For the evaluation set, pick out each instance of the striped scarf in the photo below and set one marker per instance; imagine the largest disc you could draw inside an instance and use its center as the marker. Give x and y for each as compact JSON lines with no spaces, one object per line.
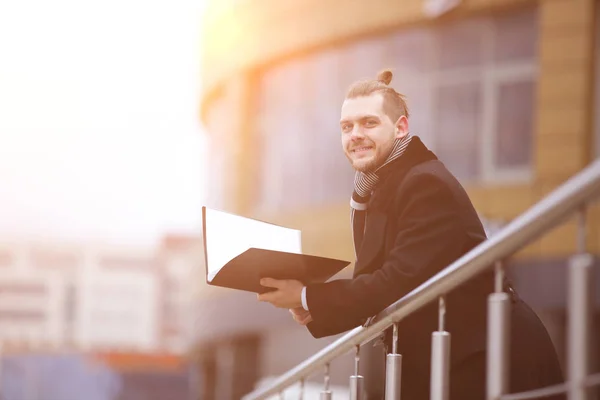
{"x":364,"y":183}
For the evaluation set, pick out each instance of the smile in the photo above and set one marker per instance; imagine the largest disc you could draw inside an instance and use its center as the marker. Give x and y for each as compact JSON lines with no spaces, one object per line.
{"x":361,"y":149}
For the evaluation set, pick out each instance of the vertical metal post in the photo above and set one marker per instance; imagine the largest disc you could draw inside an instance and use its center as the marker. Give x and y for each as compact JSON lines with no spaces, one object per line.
{"x":440,"y":358}
{"x":393,"y":370}
{"x":580,"y":305}
{"x":1,"y":369}
{"x":326,"y":393}
{"x":581,"y":230}
{"x":301,"y":394}
{"x":498,"y":339}
{"x":498,"y":277}
{"x":356,"y":381}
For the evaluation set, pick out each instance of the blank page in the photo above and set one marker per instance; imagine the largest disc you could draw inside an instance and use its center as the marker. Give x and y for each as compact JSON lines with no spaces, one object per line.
{"x":228,"y":235}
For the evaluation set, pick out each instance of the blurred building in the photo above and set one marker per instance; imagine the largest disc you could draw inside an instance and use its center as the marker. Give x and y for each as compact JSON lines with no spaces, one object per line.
{"x":502,"y":90}
{"x":94,"y":297}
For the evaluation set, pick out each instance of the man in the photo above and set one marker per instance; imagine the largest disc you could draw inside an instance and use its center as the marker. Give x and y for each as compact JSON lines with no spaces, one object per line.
{"x":419,"y":220}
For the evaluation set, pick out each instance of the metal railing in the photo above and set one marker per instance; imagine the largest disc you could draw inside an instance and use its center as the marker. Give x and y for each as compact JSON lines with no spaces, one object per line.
{"x":568,"y":199}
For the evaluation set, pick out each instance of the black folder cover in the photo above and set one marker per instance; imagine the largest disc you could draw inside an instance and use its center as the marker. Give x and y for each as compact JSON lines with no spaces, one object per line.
{"x":245,"y":271}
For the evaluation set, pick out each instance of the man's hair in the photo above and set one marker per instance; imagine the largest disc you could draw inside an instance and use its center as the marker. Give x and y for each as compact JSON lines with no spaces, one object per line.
{"x":394,"y":103}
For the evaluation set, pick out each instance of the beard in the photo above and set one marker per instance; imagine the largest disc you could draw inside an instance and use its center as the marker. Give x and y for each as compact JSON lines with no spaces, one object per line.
{"x":367,"y":165}
{"x":370,"y":164}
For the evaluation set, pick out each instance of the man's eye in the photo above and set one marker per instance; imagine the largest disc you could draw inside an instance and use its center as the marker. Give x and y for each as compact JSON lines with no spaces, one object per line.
{"x":371,"y":123}
{"x":346,"y":127}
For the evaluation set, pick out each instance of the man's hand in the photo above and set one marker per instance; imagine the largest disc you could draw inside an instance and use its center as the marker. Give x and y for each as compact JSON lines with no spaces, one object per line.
{"x":287,"y":295}
{"x":301,"y":316}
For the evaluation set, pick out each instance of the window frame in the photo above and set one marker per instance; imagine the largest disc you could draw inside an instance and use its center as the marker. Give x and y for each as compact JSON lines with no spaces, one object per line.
{"x":456,"y":79}
{"x":490,"y":73}
{"x":596,"y":106}
{"x":496,"y":77}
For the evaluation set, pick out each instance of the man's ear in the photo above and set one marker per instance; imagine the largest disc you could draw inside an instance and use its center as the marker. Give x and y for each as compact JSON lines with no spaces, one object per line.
{"x":401,"y":127}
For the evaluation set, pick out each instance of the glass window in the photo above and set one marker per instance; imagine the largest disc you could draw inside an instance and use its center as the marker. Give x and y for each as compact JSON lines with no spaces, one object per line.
{"x":470,"y":88}
{"x":280,"y":131}
{"x":294,"y":136}
{"x":419,"y":99}
{"x":362,"y":59}
{"x":501,"y":136}
{"x":515,"y":36}
{"x":408,"y":51}
{"x":6,"y":258}
{"x":460,"y":45}
{"x":332,"y":178}
{"x":70,"y":302}
{"x":514,"y":124}
{"x":597,"y":89}
{"x":457,"y":126}
{"x":302,"y":161}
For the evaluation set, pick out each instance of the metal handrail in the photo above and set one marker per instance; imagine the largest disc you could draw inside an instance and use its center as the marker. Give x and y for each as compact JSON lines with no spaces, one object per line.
{"x":546,"y":214}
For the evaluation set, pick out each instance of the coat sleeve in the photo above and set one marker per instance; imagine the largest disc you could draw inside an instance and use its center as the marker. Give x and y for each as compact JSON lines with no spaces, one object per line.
{"x":429,"y":237}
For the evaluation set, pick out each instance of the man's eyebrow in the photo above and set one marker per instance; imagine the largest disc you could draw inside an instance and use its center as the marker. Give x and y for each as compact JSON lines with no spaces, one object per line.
{"x":358,"y":118}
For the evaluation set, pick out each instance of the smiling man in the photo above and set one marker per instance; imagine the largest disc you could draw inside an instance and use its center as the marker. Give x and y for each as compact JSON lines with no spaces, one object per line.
{"x":410,"y":219}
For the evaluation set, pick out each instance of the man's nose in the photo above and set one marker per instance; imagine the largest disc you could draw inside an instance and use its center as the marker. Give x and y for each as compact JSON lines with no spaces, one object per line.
{"x":357,"y":134}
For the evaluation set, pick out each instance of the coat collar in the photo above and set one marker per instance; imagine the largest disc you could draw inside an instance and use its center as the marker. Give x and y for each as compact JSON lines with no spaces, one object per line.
{"x":393,"y":173}
{"x":384,"y":194}
{"x":415,"y":153}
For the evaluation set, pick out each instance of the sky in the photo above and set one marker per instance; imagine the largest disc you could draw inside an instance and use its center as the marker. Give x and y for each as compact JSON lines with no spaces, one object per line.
{"x":100,"y":136}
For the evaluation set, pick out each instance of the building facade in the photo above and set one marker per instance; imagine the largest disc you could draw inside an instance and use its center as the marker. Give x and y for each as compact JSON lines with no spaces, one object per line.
{"x":505,"y":92}
{"x":92,"y":297}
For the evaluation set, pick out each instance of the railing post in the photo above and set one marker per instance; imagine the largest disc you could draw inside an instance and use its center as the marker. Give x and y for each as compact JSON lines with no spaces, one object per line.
{"x":301,"y":395}
{"x":578,"y":329}
{"x":326,"y":393}
{"x":440,"y":358}
{"x":581,"y":230}
{"x":1,"y":367}
{"x":393,"y":370}
{"x":356,"y":381}
{"x":529,"y":226}
{"x":498,"y":338}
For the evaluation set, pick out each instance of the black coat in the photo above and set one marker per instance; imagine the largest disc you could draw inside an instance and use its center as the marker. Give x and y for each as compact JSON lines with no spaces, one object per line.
{"x":420,"y":220}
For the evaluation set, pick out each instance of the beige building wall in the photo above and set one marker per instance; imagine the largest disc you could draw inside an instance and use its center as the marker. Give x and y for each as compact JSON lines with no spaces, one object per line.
{"x":243,"y":39}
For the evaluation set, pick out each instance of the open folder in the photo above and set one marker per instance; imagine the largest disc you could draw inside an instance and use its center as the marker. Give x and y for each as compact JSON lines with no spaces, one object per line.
{"x":239,"y":251}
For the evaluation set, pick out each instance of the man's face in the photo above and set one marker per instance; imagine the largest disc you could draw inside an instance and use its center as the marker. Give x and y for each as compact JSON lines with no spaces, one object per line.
{"x":368,"y":133}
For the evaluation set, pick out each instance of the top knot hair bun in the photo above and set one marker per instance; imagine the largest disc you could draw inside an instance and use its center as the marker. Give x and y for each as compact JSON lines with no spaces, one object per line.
{"x":385,"y":77}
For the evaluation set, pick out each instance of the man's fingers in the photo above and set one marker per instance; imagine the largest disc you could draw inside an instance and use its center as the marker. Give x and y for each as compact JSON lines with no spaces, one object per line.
{"x":301,"y":316}
{"x":305,"y":320}
{"x":270,"y":282}
{"x":269,"y":296}
{"x":299,"y":311}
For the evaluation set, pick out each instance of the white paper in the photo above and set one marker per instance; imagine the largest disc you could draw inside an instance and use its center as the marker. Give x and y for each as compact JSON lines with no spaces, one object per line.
{"x":228,"y":235}
{"x":435,"y":8}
